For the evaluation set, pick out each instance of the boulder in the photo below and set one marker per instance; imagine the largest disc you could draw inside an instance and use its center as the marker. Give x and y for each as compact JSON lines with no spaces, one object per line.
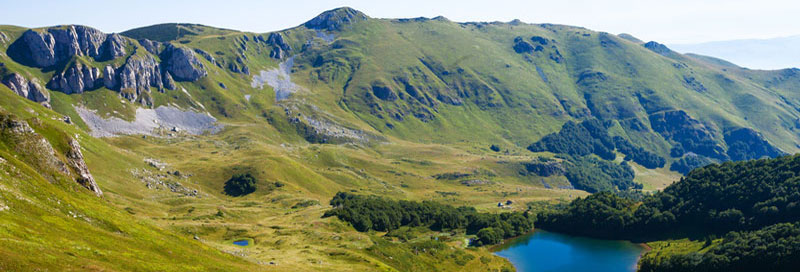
{"x":31,"y":90}
{"x":183,"y":64}
{"x":76,"y":79}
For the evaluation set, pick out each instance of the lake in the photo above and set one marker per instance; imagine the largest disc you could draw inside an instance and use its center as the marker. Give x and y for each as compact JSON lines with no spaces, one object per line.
{"x":543,"y":251}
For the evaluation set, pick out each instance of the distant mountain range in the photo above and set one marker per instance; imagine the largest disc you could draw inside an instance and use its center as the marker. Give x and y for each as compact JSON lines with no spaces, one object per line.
{"x":775,"y":53}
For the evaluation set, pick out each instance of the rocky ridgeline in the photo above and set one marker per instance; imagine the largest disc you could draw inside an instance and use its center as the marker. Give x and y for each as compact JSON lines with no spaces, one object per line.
{"x":45,"y":49}
{"x":78,"y":164}
{"x":57,"y":46}
{"x":19,"y":135}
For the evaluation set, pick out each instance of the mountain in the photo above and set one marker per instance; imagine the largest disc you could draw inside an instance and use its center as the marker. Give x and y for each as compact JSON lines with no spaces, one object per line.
{"x":771,"y":53}
{"x":171,"y":118}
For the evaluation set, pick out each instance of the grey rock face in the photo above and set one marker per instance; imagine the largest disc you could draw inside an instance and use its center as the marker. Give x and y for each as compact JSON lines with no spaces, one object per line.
{"x":28,"y":89}
{"x":3,"y":37}
{"x":45,"y":49}
{"x":153,"y":47}
{"x":76,"y":79}
{"x":169,"y":83}
{"x":183,"y":64}
{"x":335,"y":19}
{"x":110,"y":77}
{"x":41,"y":52}
{"x":114,"y":47}
{"x":78,"y":164}
{"x":138,"y":75}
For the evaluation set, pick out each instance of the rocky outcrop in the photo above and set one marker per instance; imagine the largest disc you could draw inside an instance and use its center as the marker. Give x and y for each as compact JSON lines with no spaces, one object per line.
{"x":39,"y":153}
{"x":169,"y":83}
{"x":383,"y":92}
{"x":659,"y":49}
{"x":137,"y":76}
{"x":3,"y":37}
{"x":28,"y":89}
{"x":153,"y":47}
{"x":279,"y":46}
{"x":109,"y":77}
{"x":47,"y":48}
{"x":522,"y":46}
{"x":336,"y":19}
{"x":78,"y":164}
{"x":206,"y":55}
{"x":76,"y":79}
{"x":182,"y":63}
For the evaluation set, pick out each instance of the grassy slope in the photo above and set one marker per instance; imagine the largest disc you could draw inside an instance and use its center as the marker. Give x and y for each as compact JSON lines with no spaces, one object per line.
{"x":62,"y":226}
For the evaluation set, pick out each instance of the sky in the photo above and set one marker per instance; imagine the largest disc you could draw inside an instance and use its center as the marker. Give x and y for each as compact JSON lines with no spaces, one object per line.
{"x":669,"y":22}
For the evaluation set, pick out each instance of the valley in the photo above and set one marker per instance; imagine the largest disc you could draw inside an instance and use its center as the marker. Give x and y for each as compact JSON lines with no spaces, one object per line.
{"x":184,"y":147}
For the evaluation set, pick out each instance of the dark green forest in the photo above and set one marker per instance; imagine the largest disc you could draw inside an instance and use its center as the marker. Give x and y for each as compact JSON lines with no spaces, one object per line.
{"x":367,"y":213}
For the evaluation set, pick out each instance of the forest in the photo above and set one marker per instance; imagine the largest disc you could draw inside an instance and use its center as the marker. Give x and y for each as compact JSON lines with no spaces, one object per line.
{"x":367,"y":213}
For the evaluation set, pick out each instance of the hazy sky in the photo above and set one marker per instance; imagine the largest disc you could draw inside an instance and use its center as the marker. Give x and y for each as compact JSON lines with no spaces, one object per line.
{"x":680,"y":21}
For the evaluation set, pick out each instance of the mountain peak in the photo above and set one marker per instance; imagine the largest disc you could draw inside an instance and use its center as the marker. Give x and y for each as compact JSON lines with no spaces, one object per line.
{"x":336,"y":18}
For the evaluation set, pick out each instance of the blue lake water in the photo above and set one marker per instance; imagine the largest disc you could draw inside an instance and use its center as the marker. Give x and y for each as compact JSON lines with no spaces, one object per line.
{"x":543,"y":251}
{"x":241,"y":242}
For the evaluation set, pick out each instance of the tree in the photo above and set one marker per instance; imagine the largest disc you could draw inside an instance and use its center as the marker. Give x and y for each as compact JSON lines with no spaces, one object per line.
{"x":489,"y":236}
{"x":240,"y":185}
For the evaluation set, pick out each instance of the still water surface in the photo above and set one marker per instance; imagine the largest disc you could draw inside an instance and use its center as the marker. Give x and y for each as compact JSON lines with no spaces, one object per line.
{"x":543,"y":251}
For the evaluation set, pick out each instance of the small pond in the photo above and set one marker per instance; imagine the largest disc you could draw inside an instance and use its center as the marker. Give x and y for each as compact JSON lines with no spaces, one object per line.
{"x":243,"y":242}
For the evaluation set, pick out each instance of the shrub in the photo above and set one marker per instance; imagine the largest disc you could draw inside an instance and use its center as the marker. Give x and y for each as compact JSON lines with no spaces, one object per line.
{"x":240,"y":185}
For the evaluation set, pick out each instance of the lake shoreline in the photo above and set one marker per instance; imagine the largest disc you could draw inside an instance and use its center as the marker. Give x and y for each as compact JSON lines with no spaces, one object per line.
{"x":542,"y":250}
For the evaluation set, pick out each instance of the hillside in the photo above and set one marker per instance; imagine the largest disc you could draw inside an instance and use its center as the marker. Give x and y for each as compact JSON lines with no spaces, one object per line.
{"x":462,"y":114}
